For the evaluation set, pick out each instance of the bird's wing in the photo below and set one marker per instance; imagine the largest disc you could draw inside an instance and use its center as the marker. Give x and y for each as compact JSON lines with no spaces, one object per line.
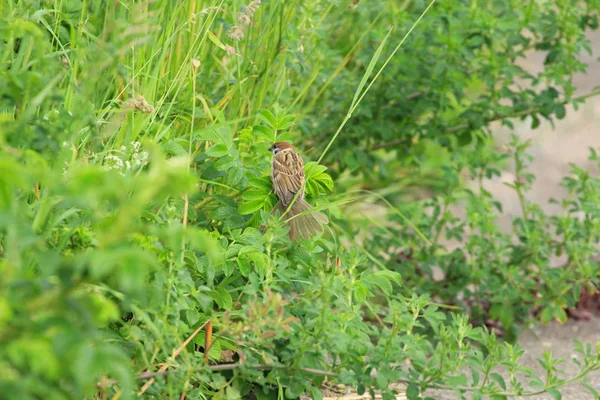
{"x":287,"y":175}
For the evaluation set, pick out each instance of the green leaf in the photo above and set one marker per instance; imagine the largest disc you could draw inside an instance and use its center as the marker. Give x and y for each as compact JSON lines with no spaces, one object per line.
{"x":536,"y":383}
{"x":317,"y":174}
{"x":560,"y":111}
{"x":285,"y":122}
{"x":360,"y":292}
{"x":268,"y":118}
{"x":379,"y":281}
{"x":498,"y":379}
{"x":220,"y":135}
{"x":245,"y":265}
{"x":250,"y":195}
{"x":225,"y":163}
{"x":593,"y":391}
{"x":412,"y":391}
{"x":458,"y":380}
{"x":261,"y":183}
{"x":192,"y":316}
{"x":369,"y":70}
{"x":203,"y":241}
{"x":260,"y":261}
{"x":216,"y":348}
{"x":475,"y":375}
{"x":294,"y":389}
{"x":554,"y":393}
{"x":173,"y":147}
{"x":218,"y":150}
{"x":264,"y":132}
{"x":251,"y":206}
{"x":316,"y":393}
{"x":223,"y":298}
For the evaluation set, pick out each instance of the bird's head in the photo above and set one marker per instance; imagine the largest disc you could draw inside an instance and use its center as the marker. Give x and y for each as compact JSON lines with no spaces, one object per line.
{"x":279,"y":146}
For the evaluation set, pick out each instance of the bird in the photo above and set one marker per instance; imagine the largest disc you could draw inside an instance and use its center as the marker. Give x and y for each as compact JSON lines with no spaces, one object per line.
{"x":287,"y":176}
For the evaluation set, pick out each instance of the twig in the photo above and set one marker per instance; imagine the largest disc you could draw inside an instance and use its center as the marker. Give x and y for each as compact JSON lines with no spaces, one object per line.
{"x":164,"y":367}
{"x":186,"y":205}
{"x":415,"y":94}
{"x":220,"y":367}
{"x":207,"y":340}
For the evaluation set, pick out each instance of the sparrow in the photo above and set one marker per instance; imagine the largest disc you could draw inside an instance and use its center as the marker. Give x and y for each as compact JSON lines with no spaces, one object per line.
{"x":287,"y":175}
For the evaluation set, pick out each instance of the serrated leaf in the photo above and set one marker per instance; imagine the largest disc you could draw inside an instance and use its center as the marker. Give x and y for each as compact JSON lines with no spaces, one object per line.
{"x":267,"y":117}
{"x":261,"y":183}
{"x":315,"y":174}
{"x":285,"y":122}
{"x":224,"y":163}
{"x":260,"y":261}
{"x":224,"y":298}
{"x":251,"y":207}
{"x":218,"y":150}
{"x":264,"y":132}
{"x":244,"y":265}
{"x":172,"y":147}
{"x":250,"y":195}
{"x":220,"y":135}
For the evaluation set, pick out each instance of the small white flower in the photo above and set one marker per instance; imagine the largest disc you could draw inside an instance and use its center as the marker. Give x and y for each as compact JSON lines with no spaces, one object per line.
{"x":65,"y":144}
{"x":123,"y":148}
{"x":113,"y":162}
{"x":127,"y":165}
{"x":136,"y":145}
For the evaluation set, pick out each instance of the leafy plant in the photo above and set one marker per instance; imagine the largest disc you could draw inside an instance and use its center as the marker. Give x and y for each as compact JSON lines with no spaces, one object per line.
{"x":137,"y":248}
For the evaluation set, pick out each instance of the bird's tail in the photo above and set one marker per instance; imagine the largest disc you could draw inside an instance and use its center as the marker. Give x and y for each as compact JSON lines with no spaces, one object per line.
{"x":302,"y":226}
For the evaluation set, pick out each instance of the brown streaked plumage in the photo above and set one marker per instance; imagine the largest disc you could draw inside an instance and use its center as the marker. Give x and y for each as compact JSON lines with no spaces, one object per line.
{"x":287,"y":175}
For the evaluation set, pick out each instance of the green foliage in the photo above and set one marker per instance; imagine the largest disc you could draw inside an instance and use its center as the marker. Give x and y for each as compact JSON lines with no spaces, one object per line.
{"x":454,"y":75}
{"x":135,"y":198}
{"x":497,"y":275}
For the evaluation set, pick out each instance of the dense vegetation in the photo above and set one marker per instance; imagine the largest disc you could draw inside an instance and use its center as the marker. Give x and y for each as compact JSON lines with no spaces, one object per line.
{"x":137,"y":249}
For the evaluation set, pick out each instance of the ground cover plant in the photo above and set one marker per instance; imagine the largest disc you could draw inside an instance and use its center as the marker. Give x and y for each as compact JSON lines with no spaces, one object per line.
{"x":138,"y":254}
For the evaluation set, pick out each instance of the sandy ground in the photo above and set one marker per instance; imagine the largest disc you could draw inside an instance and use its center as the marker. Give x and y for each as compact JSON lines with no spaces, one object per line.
{"x":553,"y":149}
